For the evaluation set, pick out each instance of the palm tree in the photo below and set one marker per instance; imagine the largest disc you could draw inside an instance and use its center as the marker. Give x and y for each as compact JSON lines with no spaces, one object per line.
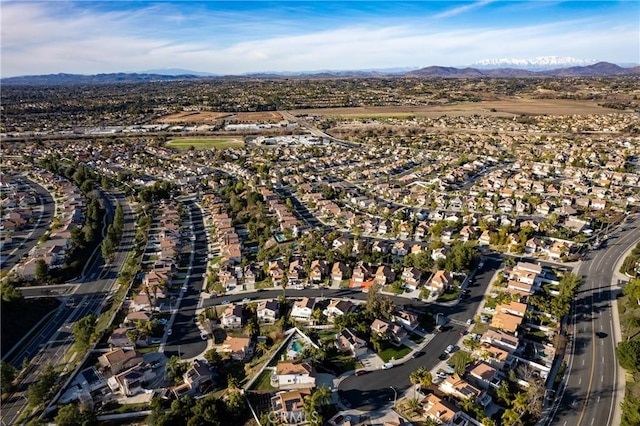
{"x":520,"y":403}
{"x":414,"y":405}
{"x":510,"y":417}
{"x":262,"y":347}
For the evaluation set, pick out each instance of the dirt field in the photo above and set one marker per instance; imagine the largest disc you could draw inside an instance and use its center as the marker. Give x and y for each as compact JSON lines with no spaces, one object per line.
{"x":507,"y":108}
{"x":210,"y":117}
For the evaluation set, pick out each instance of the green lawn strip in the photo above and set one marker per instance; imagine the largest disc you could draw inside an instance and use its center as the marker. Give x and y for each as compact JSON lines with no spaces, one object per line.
{"x":344,"y":363}
{"x":263,"y":383}
{"x":392,"y":352}
{"x":415,"y":338}
{"x":449,"y":295}
{"x":204,"y":143}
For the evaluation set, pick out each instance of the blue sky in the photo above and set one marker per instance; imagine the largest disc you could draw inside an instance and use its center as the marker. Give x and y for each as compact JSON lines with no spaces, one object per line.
{"x":234,"y":37}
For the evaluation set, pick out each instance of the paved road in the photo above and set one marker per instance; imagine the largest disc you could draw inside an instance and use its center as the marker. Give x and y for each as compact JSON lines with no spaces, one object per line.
{"x":372,"y":391}
{"x":589,"y":395}
{"x":23,"y":245}
{"x":185,"y":339}
{"x":56,"y":337}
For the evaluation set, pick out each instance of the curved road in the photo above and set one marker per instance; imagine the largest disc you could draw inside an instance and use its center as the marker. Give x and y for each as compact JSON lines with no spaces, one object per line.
{"x":589,"y":393}
{"x":56,"y":337}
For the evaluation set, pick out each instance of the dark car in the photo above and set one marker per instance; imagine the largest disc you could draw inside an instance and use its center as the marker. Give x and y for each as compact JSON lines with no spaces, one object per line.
{"x":361,"y":372}
{"x":417,"y":354}
{"x":443,"y":356}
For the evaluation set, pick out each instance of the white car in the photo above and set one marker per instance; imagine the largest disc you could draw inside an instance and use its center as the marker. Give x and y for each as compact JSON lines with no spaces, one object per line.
{"x":450,"y":349}
{"x":387,"y":366}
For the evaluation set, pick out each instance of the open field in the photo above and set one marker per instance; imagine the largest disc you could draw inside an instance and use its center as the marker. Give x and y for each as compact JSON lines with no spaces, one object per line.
{"x":201,"y":117}
{"x":186,"y":143}
{"x":505,"y":108}
{"x":210,"y":117}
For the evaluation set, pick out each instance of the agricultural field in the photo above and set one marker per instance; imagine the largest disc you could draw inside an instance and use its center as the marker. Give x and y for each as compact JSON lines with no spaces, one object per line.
{"x":220,"y":143}
{"x":497,"y":108}
{"x":211,"y":117}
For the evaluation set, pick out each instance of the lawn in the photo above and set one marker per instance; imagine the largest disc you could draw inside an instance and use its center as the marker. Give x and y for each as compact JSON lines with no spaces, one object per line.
{"x":449,"y":295}
{"x":393,"y":352}
{"x":204,"y":143}
{"x":263,"y":383}
{"x":415,"y":338}
{"x":344,"y":363}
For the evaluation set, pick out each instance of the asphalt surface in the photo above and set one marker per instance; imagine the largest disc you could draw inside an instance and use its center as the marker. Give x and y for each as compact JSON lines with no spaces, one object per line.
{"x":373,"y":391}
{"x":185,"y":340}
{"x":588,"y":397}
{"x":56,"y":337}
{"x":21,"y":247}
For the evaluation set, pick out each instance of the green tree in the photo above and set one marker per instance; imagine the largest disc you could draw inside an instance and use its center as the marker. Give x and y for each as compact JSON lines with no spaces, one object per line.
{"x":83,"y":331}
{"x":73,"y":415}
{"x":629,"y":355}
{"x":8,"y":374}
{"x":632,"y":290}
{"x":40,"y":389}
{"x":9,"y":292}
{"x":41,"y":270}
{"x":630,"y":411}
{"x":213,"y":357}
{"x":510,"y":417}
{"x":378,"y":306}
{"x":176,"y":369}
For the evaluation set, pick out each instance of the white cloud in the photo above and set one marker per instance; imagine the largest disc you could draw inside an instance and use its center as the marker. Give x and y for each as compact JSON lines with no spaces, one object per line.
{"x":461,"y":9}
{"x":40,"y":38}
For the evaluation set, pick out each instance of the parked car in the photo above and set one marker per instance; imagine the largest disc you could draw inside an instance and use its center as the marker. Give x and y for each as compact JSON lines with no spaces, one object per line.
{"x":443,"y":356}
{"x":417,"y":354}
{"x":450,"y":349}
{"x":360,"y":372}
{"x":204,"y":336}
{"x":387,"y":365}
{"x":469,"y":321}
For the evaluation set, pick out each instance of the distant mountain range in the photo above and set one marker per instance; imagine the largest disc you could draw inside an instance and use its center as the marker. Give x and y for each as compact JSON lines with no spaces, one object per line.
{"x":541,"y":63}
{"x":600,"y":69}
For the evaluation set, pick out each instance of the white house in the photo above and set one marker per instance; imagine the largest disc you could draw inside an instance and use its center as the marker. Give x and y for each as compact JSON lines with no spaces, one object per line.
{"x":267,"y":311}
{"x":302,"y":309}
{"x":294,"y":375}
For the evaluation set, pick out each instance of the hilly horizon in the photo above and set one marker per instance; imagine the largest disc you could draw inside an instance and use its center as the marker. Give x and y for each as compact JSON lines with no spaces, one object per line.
{"x":599,"y":69}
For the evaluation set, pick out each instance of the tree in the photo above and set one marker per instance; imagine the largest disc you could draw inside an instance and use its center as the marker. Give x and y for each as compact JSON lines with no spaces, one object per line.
{"x":176,"y":368}
{"x":629,"y":355}
{"x":520,"y":403}
{"x":9,"y":292}
{"x":39,"y":390}
{"x":73,"y":415}
{"x":83,"y":331}
{"x":41,"y":269}
{"x":510,"y":417}
{"x":632,"y":290}
{"x":421,"y":376}
{"x":378,"y":306}
{"x":132,"y":336}
{"x":8,"y":374}
{"x":504,"y":393}
{"x":213,"y":357}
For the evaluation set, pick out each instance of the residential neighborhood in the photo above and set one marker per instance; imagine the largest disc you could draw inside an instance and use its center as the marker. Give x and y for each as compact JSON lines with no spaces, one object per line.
{"x":393,"y":269}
